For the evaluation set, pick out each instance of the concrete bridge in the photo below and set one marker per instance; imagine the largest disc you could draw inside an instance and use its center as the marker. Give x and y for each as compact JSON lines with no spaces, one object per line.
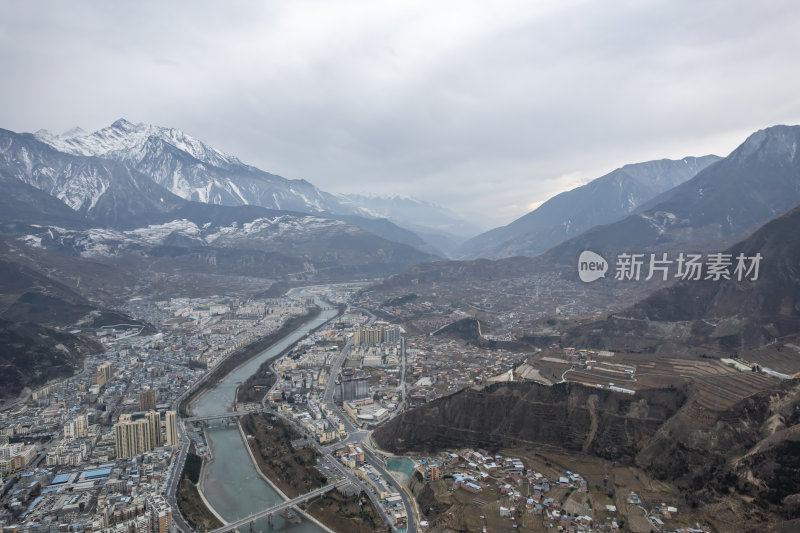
{"x":280,"y":507}
{"x":220,"y":416}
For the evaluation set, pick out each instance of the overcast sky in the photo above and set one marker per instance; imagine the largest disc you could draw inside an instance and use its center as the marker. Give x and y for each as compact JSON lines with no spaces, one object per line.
{"x":487,"y":108}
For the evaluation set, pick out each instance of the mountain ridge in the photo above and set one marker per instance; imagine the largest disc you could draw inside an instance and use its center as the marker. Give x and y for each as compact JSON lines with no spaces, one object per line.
{"x":119,"y":210}
{"x":755,"y":189}
{"x":601,"y":201}
{"x":720,"y":316}
{"x":195,"y":171}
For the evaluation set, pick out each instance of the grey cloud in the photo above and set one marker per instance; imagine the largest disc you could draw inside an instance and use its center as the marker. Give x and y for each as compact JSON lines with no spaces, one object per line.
{"x":481,"y":108}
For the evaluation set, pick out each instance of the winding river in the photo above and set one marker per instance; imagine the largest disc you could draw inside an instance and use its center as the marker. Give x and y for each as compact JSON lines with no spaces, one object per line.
{"x":232,"y":484}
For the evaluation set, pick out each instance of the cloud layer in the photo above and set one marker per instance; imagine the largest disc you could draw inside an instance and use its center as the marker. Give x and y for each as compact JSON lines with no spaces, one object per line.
{"x":486,"y":108}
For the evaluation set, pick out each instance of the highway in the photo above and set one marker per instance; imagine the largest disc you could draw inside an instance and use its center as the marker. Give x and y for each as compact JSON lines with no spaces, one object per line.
{"x":174,"y":479}
{"x":356,"y":435}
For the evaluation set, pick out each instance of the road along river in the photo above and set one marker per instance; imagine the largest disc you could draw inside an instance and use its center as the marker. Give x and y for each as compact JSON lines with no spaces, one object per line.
{"x":232,"y":485}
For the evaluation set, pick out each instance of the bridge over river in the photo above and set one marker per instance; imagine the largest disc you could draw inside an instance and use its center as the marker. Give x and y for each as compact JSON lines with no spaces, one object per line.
{"x":220,"y":416}
{"x":280,"y":507}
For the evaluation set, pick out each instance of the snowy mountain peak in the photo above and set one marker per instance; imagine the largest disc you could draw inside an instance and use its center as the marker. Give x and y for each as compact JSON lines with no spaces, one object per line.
{"x":387,"y":199}
{"x":198,"y":172}
{"x":77,"y":131}
{"x":192,"y":169}
{"x":123,"y":124}
{"x":128,"y":141}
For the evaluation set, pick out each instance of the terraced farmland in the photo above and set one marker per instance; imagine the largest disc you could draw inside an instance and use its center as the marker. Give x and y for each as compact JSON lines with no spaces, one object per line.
{"x":721,"y":392}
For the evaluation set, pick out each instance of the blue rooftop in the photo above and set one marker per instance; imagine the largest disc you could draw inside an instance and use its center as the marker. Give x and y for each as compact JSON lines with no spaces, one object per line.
{"x":94,"y":474}
{"x":60,"y":479}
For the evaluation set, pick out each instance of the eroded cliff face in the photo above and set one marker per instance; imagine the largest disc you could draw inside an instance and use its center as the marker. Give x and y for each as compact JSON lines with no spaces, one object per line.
{"x":751,"y":448}
{"x":569,"y":416}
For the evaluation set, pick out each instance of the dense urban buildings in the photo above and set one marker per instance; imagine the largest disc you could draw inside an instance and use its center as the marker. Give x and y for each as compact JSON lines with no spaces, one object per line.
{"x":109,"y":436}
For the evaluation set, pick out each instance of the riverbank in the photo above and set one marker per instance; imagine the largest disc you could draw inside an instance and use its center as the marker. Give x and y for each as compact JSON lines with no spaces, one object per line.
{"x":292,"y":472}
{"x":191,"y":501}
{"x":255,"y":387}
{"x":292,"y":469}
{"x":232,"y":484}
{"x":242,"y":356}
{"x":275,"y":487}
{"x":207,"y":460}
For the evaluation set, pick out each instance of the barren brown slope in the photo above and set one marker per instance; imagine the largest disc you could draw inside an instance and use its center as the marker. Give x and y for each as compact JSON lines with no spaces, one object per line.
{"x":506,"y":415}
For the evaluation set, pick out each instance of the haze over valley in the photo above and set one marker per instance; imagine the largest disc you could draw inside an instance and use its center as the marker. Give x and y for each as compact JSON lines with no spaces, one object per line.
{"x":405,"y":268}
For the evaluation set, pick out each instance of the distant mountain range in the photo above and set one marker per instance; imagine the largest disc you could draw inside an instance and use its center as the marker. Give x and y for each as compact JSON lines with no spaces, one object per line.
{"x":723,"y":204}
{"x":98,"y":195}
{"x":601,"y":201}
{"x":192,"y":170}
{"x":436,"y":225}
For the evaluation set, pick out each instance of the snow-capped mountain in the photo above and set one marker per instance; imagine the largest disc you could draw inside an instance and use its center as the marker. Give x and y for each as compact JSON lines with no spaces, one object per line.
{"x":601,"y":201}
{"x":101,"y":207}
{"x":123,"y":140}
{"x":104,"y":191}
{"x":191,"y":169}
{"x":122,"y":191}
{"x":195,"y":171}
